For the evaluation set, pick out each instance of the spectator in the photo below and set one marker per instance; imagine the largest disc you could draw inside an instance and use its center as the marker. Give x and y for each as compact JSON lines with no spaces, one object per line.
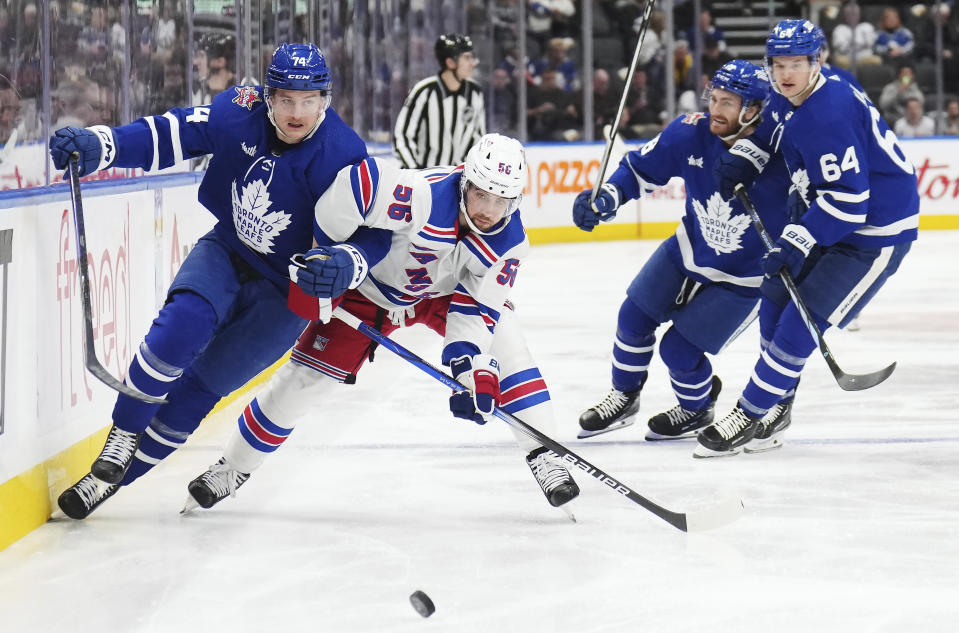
{"x":552,"y":115}
{"x":10,"y":119}
{"x":645,"y":106}
{"x":926,"y":46}
{"x":950,"y":118}
{"x":557,"y":59}
{"x":692,"y":100}
{"x":914,"y":123}
{"x":892,"y":100}
{"x":709,"y":30}
{"x":547,"y":18}
{"x":713,"y":56}
{"x":894,"y":41}
{"x":853,"y":41}
{"x":682,"y":65}
{"x":605,"y":103}
{"x":503,"y":103}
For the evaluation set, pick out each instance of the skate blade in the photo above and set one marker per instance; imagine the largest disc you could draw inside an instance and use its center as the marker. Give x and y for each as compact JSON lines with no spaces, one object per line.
{"x":189,"y":506}
{"x":701,"y":452}
{"x":615,"y":426}
{"x":763,"y":446}
{"x":653,"y":436}
{"x":568,"y":511}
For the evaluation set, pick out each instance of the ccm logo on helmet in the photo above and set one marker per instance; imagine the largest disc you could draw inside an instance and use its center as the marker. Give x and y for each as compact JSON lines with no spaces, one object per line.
{"x":298,"y":77}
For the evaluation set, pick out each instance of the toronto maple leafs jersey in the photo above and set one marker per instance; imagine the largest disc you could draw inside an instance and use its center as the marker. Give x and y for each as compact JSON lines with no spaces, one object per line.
{"x":262,"y":191}
{"x":431,"y":255}
{"x":848,"y":165}
{"x":714,"y":242}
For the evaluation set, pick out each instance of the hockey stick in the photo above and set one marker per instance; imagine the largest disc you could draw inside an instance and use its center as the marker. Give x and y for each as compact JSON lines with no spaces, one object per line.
{"x":705,"y":519}
{"x":89,"y":351}
{"x":848,"y":382}
{"x":622,"y":102}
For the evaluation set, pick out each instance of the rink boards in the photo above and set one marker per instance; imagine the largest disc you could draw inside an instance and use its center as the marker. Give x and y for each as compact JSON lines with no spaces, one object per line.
{"x":55,"y":415}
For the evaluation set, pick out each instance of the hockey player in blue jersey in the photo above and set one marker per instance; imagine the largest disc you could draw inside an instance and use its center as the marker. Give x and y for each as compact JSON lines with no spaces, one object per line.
{"x":847,"y":167}
{"x":458,"y":242}
{"x":275,"y":150}
{"x":705,"y":279}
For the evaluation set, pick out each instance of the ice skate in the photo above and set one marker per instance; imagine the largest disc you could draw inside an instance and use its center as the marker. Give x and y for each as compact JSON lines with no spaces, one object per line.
{"x":83,"y":497}
{"x":769,"y":434}
{"x":728,"y":436}
{"x":616,"y":411}
{"x":679,"y":422}
{"x":218,"y":482}
{"x":117,"y":455}
{"x":553,"y":478}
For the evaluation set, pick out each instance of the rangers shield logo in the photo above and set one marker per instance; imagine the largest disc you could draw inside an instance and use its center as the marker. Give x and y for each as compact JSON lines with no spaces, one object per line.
{"x":246,"y":96}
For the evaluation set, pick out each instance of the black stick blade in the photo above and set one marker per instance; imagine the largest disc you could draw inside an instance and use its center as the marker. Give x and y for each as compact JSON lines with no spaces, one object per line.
{"x":853,"y":382}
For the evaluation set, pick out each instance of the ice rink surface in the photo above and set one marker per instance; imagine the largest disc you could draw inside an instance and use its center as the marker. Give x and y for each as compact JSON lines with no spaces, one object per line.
{"x":853,"y":526}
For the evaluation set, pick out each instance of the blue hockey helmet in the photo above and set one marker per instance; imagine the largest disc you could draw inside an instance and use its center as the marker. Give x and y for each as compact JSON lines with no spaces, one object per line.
{"x":743,"y":78}
{"x":792,"y":38}
{"x":747,"y":80}
{"x":299,"y":67}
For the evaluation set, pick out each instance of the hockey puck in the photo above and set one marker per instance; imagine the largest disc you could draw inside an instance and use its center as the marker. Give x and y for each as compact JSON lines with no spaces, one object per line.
{"x":422,"y":603}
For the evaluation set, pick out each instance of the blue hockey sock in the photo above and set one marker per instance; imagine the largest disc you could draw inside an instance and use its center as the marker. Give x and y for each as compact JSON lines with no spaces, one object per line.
{"x":777,"y":372}
{"x":633,"y":346}
{"x":179,"y":333}
{"x":690,"y":372}
{"x":189,"y":403}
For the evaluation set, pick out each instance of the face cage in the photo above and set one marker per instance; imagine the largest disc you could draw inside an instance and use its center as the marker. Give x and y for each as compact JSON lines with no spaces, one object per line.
{"x":268,"y":94}
{"x":813,"y":75}
{"x":499,"y":226}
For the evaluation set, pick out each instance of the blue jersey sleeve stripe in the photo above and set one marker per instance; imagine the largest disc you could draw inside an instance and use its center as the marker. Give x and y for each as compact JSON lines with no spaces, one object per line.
{"x":900,"y":226}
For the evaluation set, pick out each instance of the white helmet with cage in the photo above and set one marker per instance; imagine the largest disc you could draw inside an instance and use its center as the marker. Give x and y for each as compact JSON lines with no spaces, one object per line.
{"x":496,"y":164}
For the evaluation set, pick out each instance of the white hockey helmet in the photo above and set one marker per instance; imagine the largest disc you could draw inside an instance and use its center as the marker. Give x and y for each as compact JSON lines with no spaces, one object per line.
{"x":496,"y":164}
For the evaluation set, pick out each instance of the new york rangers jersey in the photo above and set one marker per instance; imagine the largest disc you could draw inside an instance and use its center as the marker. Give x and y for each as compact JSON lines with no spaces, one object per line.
{"x":261,"y":191}
{"x":431,"y":254}
{"x":848,"y":165}
{"x":714,"y":242}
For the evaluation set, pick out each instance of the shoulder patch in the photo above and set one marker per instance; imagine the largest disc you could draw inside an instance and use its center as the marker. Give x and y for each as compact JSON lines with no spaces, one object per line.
{"x":246,"y":96}
{"x":693,"y":118}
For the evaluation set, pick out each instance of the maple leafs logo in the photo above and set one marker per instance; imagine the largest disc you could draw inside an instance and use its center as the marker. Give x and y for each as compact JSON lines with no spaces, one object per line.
{"x":256,"y":225}
{"x":722,"y":231}
{"x":800,"y":181}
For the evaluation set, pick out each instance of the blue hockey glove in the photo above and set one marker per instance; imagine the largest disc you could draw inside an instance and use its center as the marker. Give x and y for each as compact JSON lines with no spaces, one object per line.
{"x":94,"y":146}
{"x":741,"y":164}
{"x":479,"y":374}
{"x":789,"y":252}
{"x":604,"y":207}
{"x":329,"y":271}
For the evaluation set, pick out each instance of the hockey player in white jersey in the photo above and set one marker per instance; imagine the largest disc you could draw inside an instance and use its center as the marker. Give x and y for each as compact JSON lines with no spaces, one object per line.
{"x":458,"y":241}
{"x":704,"y":280}
{"x":275,"y":150}
{"x":848,"y":169}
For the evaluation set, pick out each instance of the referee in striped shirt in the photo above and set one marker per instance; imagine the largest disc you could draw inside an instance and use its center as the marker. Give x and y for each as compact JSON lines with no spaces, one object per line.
{"x":444,"y":115}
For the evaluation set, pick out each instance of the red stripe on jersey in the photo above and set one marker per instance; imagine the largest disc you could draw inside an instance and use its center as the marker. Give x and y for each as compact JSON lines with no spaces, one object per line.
{"x":463,"y":299}
{"x":522,"y":390}
{"x":432,"y":230}
{"x":366,"y":186}
{"x":483,"y":248}
{"x":256,"y":429}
